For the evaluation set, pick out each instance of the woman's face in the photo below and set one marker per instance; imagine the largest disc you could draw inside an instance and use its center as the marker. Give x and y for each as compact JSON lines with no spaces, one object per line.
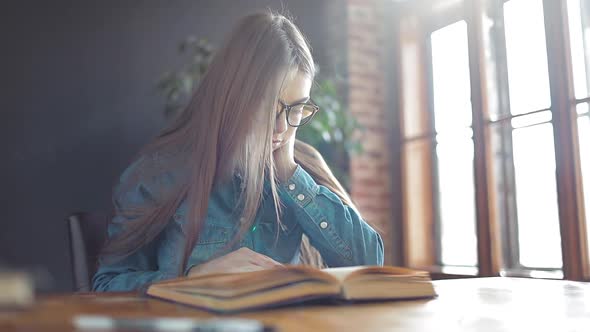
{"x":296,"y":90}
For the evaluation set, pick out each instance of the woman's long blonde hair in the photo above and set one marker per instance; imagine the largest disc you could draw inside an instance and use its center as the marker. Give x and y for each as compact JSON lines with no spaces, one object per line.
{"x":226,"y":128}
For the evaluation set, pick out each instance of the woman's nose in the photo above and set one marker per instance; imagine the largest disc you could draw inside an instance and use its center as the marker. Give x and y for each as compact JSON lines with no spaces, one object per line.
{"x":281,"y":123}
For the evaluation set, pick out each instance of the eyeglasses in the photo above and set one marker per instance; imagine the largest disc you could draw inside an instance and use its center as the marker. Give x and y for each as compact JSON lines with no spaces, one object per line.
{"x":298,"y":114}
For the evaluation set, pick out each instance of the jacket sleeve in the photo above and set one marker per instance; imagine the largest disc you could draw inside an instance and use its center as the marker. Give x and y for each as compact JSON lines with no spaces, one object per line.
{"x":141,"y":267}
{"x":339,"y":233}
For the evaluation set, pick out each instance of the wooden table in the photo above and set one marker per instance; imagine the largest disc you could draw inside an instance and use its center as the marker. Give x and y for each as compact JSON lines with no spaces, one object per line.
{"x":483,"y":304}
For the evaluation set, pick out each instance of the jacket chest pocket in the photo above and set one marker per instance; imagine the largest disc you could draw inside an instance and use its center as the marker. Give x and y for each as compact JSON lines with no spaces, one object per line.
{"x":214,"y":234}
{"x":212,"y":242}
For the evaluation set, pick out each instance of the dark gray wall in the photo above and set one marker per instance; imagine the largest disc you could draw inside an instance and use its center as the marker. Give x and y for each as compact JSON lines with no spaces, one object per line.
{"x":77,"y":100}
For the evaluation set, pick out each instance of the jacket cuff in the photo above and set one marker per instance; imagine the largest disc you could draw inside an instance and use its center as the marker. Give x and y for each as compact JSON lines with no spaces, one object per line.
{"x":301,"y":187}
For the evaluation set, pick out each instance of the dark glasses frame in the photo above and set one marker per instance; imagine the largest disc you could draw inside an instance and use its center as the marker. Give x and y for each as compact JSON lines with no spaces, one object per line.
{"x":287,"y":109}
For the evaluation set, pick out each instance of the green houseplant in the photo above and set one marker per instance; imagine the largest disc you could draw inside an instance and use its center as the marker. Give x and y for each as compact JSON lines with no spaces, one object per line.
{"x":331,"y":130}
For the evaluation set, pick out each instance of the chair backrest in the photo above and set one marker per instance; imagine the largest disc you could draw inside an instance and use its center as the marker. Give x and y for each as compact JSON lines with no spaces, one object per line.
{"x":88,"y":233}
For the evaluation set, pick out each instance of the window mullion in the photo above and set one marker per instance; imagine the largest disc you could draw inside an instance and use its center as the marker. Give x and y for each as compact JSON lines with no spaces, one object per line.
{"x":571,"y":214}
{"x":506,"y":185}
{"x":393,"y":83}
{"x":487,"y":247}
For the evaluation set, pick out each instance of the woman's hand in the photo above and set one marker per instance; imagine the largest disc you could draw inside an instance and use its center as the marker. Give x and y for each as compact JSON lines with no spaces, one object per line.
{"x":284,"y":159}
{"x":241,"y":260}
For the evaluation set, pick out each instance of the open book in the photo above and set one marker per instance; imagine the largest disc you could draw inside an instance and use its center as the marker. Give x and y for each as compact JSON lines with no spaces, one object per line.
{"x":231,"y":292}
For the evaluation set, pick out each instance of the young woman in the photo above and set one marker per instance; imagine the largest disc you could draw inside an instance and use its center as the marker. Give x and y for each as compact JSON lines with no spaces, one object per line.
{"x":227,"y":187}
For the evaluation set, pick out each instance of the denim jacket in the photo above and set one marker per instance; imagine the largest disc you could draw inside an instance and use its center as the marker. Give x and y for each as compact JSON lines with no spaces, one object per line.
{"x":336,"y":230}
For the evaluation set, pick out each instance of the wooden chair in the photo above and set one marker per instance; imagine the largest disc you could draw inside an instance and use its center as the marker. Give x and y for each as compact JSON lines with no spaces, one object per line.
{"x":87,"y":233}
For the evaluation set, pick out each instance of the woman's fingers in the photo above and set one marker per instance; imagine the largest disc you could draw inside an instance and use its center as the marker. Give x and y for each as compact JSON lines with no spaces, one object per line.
{"x":267,"y":261}
{"x":241,"y":260}
{"x":259,"y":259}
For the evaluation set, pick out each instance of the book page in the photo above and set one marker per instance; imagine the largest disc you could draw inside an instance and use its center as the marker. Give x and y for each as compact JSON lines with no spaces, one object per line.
{"x":372,"y":272}
{"x":240,"y":283}
{"x":382,"y":282}
{"x":342,"y":273}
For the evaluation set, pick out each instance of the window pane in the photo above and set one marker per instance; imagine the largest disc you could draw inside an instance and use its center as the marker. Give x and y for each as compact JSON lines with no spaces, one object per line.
{"x":456,"y":197}
{"x":584,"y":135}
{"x":528,"y":76}
{"x":582,"y":108}
{"x":536,"y":197}
{"x":454,"y":150}
{"x":450,"y":77}
{"x":579,"y":26}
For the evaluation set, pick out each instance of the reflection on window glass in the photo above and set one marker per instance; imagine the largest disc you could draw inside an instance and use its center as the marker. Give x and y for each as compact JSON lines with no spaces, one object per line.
{"x":450,"y":76}
{"x":536,"y":197}
{"x":526,"y":53}
{"x":579,"y":27}
{"x":454,"y":150}
{"x":584,"y":135}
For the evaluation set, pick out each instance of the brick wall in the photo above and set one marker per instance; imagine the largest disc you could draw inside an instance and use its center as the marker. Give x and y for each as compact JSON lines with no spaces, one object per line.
{"x":370,"y":171}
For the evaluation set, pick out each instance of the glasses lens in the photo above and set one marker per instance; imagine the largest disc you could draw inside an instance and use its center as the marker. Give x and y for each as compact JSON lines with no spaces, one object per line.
{"x":301,"y":114}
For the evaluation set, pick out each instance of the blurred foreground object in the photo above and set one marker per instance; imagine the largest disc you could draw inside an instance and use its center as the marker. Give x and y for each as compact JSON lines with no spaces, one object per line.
{"x":16,"y":289}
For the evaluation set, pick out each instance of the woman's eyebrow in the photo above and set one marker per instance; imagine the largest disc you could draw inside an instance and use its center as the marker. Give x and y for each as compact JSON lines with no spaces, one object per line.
{"x":300,"y":101}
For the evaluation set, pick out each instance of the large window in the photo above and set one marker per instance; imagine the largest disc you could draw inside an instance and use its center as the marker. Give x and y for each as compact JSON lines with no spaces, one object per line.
{"x":533,"y":156}
{"x":496,"y":160}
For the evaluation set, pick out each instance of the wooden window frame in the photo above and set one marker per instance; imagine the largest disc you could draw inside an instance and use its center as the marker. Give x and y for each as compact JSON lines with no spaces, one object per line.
{"x":570,"y":196}
{"x":490,"y":225}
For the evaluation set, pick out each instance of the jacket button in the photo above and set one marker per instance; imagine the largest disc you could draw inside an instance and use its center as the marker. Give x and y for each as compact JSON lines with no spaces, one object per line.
{"x":324,"y":224}
{"x":292,"y":186}
{"x":300,"y":197}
